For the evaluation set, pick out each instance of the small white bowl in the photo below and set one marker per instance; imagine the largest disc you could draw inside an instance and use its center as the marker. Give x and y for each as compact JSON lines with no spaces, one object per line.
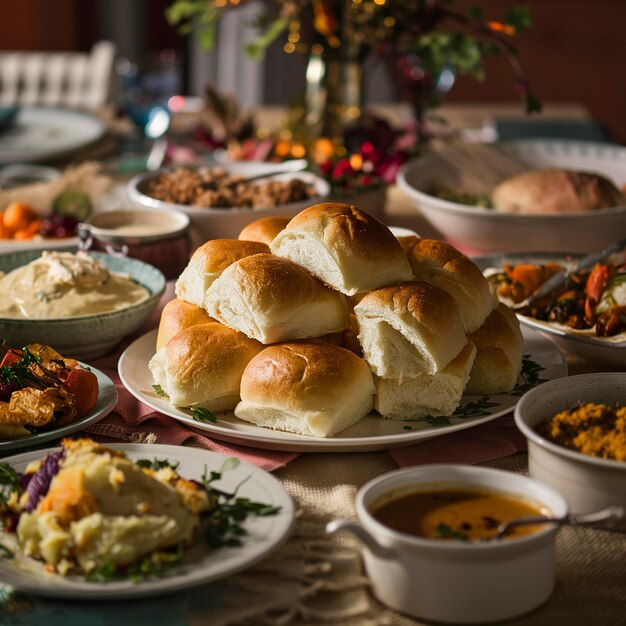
{"x":588,"y":483}
{"x":490,"y":231}
{"x":214,"y":223}
{"x":454,"y":581}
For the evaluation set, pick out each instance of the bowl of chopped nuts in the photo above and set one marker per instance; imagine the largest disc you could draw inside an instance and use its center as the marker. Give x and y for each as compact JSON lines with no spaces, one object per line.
{"x":576,"y":432}
{"x":221,"y":200}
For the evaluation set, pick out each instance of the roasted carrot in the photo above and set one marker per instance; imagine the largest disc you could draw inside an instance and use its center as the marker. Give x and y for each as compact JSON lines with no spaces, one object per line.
{"x":83,"y":384}
{"x":12,"y":356}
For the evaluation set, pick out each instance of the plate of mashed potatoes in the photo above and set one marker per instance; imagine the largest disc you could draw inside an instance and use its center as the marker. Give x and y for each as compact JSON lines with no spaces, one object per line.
{"x":88,"y":521}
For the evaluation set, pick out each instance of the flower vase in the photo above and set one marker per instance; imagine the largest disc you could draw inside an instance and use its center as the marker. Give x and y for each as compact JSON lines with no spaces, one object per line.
{"x":334,"y":93}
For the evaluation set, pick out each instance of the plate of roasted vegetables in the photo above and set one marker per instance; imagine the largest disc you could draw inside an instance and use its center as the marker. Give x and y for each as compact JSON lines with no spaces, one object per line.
{"x":87,"y":521}
{"x":44,"y":396}
{"x":585,"y":314}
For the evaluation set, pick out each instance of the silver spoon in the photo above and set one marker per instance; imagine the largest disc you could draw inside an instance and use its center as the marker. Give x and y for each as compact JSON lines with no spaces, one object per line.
{"x":563,"y":276}
{"x":610,"y":514}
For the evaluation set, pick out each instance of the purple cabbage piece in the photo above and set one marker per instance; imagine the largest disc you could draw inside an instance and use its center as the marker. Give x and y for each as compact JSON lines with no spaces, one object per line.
{"x":39,"y":483}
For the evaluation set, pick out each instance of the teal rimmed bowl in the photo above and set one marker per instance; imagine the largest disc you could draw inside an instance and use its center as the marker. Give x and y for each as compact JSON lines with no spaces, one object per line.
{"x":88,"y":336}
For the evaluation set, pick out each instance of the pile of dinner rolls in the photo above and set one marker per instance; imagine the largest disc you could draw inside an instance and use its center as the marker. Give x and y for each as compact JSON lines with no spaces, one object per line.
{"x":306,"y":325}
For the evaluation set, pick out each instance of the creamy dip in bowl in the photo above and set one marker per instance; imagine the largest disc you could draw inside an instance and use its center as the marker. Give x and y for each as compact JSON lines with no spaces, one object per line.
{"x":80,"y":304}
{"x":64,"y":284}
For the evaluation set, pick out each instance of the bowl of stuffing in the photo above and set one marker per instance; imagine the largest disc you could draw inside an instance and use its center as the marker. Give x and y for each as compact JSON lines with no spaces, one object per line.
{"x":576,"y":432}
{"x":560,"y":196}
{"x":221,"y":199}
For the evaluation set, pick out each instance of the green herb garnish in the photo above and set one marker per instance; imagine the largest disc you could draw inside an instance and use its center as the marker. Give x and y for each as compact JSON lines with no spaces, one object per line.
{"x":530,"y":376}
{"x":156,"y":464}
{"x":9,"y":483}
{"x":159,"y":391}
{"x":200,"y":414}
{"x":443,"y":531}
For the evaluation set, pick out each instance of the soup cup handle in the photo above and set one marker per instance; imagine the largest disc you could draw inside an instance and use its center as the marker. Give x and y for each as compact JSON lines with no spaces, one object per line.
{"x":360,"y":533}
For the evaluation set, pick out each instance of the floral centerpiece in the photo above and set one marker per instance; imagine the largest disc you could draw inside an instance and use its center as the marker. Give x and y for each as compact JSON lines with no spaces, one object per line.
{"x":423,"y":43}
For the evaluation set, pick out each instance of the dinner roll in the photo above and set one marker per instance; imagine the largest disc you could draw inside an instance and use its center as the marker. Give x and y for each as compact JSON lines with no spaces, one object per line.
{"x":176,"y":316}
{"x":425,"y":394}
{"x":555,"y":191}
{"x":264,"y":229}
{"x":499,"y":344}
{"x":208,"y":262}
{"x":443,"y":265}
{"x":409,"y":328}
{"x":306,"y":388}
{"x":346,"y":248}
{"x":202,"y":366}
{"x":273,"y":299}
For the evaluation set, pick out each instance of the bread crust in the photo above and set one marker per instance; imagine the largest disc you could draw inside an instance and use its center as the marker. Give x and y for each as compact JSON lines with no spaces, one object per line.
{"x":364,"y":250}
{"x":554,"y":191}
{"x":264,"y":230}
{"x":178,"y":315}
{"x":274,"y":299}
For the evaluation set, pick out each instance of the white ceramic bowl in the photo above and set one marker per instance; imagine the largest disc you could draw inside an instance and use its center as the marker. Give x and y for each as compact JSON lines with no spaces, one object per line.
{"x":489,"y":231}
{"x":455,"y":581}
{"x":587,"y":483}
{"x":88,"y":336}
{"x":212,"y":223}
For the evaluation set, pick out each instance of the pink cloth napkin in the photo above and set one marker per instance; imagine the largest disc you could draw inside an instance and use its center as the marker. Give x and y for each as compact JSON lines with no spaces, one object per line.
{"x":132,"y":421}
{"x":487,"y":442}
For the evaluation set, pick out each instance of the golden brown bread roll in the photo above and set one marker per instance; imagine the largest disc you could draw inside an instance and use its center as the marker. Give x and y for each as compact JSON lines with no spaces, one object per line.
{"x":409,"y":328}
{"x":208,"y":262}
{"x":202,"y":366}
{"x":346,"y":248}
{"x":441,"y":264}
{"x":273,"y":299}
{"x":264,"y":229}
{"x":306,"y":388}
{"x":176,"y":316}
{"x":552,"y":191}
{"x":425,"y":394}
{"x":499,"y":344}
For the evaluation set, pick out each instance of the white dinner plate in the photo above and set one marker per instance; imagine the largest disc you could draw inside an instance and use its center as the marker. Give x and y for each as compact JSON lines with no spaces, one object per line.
{"x":610,"y":351}
{"x":371,"y":433}
{"x":107,"y":398}
{"x":199,"y":565}
{"x":40,"y":133}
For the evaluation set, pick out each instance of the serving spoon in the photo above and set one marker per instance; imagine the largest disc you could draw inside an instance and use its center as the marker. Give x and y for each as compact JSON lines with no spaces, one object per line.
{"x":610,"y":514}
{"x":563,"y":276}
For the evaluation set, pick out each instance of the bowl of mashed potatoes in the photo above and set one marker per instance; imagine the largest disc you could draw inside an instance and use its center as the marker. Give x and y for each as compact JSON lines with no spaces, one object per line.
{"x":82,"y":304}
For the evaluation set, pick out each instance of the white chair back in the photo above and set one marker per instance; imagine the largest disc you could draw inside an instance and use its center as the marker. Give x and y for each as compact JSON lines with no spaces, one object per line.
{"x":69,"y":79}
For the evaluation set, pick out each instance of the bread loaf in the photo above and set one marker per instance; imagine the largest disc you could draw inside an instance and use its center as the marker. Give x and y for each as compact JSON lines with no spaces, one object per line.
{"x":264,"y":229}
{"x":344,"y":247}
{"x":554,"y":191}
{"x":208,"y":262}
{"x":306,"y":388}
{"x":442,"y":265}
{"x":425,"y":394}
{"x":202,"y":366}
{"x":499,"y":344}
{"x":272,"y":299}
{"x":176,"y":316}
{"x":409,"y":328}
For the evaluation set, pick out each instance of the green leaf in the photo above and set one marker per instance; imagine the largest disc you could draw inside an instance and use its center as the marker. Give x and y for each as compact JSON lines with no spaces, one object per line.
{"x":257,"y":48}
{"x":156,"y":464}
{"x":443,"y":531}
{"x":159,"y":391}
{"x":229,"y":464}
{"x":518,"y":16}
{"x":532,"y":103}
{"x":200,"y":414}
